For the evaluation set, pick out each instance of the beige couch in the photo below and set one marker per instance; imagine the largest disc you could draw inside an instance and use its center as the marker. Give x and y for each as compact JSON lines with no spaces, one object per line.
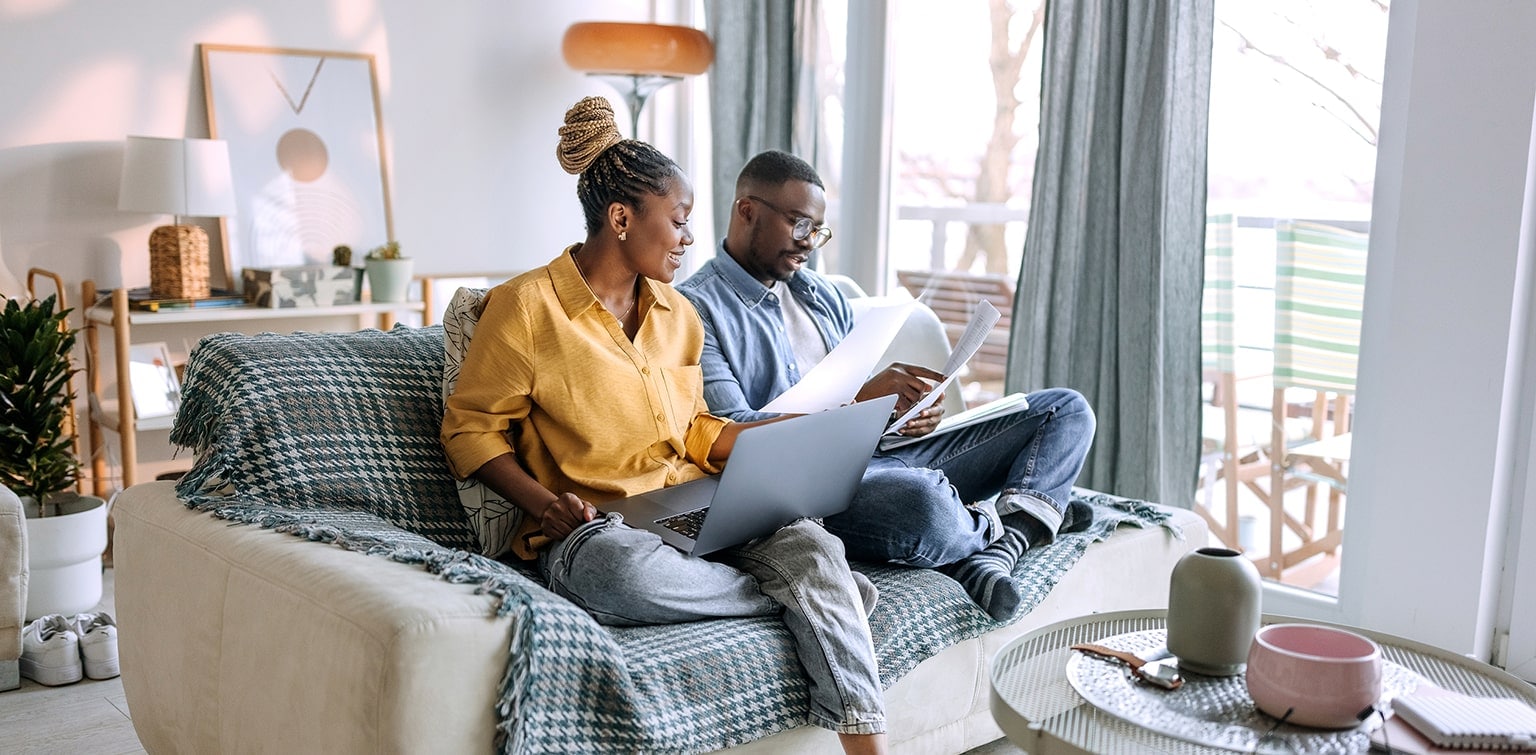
{"x":239,"y":638}
{"x":13,"y":587}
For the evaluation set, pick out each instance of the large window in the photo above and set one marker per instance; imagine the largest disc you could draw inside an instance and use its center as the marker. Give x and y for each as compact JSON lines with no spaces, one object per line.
{"x":963,"y":98}
{"x":1295,"y":105}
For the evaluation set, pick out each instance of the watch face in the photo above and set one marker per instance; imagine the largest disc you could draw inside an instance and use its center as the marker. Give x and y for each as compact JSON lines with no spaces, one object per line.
{"x":304,"y":143}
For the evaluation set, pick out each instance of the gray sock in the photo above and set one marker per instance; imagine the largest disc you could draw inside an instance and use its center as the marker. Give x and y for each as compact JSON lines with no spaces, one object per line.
{"x":987,"y":576}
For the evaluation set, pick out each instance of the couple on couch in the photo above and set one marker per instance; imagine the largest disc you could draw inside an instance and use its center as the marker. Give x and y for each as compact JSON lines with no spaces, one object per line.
{"x":591,"y":379}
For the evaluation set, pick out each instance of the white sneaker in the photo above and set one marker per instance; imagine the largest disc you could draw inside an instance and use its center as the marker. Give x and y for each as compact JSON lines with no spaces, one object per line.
{"x":98,"y":644}
{"x":50,"y":651}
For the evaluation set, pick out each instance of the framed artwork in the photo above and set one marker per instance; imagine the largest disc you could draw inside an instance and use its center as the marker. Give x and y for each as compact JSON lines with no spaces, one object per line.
{"x":152,"y":377}
{"x":306,"y":153}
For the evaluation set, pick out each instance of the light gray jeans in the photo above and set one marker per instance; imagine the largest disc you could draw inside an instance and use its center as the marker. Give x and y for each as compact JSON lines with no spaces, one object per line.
{"x":625,"y":577}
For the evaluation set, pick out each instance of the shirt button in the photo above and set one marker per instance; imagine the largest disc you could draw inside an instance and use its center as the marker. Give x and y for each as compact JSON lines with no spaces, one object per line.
{"x":671,"y":477}
{"x":661,"y":418}
{"x":645,"y":370}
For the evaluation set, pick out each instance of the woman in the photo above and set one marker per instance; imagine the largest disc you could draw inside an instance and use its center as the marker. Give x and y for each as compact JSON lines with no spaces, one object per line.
{"x":582,"y":384}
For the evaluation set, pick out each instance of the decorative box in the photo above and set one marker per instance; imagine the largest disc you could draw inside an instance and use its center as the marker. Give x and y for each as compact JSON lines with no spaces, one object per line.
{"x":299,"y":286}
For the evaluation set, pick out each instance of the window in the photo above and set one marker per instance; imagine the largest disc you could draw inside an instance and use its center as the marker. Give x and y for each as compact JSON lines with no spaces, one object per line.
{"x":963,"y":87}
{"x":1295,"y":105}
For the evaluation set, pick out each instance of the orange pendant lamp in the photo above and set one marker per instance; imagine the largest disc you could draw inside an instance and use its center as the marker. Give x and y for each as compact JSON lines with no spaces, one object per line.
{"x":636,"y":59}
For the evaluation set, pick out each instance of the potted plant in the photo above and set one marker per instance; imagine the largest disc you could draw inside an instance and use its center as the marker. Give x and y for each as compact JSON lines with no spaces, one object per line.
{"x":389,"y":274}
{"x":66,"y":532}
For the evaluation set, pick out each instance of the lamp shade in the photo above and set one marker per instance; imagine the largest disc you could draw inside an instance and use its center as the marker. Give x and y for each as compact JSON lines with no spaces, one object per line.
{"x":630,"y":48}
{"x":184,"y":177}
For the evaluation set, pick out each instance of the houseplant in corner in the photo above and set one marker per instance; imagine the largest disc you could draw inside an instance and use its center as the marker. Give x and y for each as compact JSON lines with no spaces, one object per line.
{"x":66,"y":532}
{"x":389,"y":274}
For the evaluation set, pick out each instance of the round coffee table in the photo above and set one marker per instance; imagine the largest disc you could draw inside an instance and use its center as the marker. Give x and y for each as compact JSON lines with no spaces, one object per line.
{"x":1037,"y":707}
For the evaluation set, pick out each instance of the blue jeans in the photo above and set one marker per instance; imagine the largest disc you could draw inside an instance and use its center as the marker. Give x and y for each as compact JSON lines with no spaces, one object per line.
{"x":625,"y":577}
{"x":910,"y":508}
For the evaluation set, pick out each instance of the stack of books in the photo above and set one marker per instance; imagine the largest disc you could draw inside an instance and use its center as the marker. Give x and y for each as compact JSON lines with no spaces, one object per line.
{"x":142,"y":300}
{"x":1436,"y":720}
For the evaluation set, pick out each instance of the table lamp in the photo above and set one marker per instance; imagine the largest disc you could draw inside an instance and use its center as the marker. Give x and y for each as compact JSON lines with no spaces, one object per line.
{"x":181,"y":178}
{"x":637,"y":59}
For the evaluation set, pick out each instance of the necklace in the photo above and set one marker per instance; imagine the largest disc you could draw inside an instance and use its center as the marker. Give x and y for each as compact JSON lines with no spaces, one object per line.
{"x":633,"y":297}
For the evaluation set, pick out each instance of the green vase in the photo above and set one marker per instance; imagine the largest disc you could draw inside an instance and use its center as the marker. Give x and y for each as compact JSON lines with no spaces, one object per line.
{"x":1213,"y":611}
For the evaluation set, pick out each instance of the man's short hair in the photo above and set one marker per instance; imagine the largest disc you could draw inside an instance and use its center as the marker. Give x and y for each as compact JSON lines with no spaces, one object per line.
{"x":776,"y":168}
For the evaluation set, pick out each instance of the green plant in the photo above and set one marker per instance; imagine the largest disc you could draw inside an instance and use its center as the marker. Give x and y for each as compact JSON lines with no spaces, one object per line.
{"x":389,"y":251}
{"x":341,"y":256}
{"x":37,"y":457}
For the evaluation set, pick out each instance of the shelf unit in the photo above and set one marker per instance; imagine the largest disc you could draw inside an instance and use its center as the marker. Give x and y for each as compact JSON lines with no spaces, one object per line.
{"x":116,"y":413}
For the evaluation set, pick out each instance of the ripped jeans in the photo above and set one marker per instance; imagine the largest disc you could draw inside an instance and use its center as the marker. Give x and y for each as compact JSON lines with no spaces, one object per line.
{"x":625,"y":576}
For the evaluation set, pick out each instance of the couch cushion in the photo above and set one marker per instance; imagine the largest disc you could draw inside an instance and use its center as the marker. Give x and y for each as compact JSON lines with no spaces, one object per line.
{"x":492,"y":519}
{"x":322,"y":421}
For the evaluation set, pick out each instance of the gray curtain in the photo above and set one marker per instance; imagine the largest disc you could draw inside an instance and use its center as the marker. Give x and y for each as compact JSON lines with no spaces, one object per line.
{"x":1108,"y":300}
{"x":752,"y":88}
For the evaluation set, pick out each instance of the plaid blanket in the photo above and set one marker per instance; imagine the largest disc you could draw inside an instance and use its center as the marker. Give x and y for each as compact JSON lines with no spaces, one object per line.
{"x":334,"y":438}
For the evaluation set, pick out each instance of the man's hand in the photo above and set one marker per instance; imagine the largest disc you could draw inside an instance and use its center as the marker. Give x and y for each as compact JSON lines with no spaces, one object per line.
{"x":925,"y":422}
{"x":908,"y":382}
{"x":563,"y":515}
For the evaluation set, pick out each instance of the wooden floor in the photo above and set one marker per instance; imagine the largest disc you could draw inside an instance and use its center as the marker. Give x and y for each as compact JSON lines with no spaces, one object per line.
{"x":87,"y":716}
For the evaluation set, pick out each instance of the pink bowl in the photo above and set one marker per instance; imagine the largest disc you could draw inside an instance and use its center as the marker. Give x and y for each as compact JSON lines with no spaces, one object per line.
{"x":1325,"y":677}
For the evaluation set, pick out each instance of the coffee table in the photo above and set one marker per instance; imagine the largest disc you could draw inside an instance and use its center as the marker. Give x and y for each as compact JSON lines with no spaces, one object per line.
{"x":1036,"y":706}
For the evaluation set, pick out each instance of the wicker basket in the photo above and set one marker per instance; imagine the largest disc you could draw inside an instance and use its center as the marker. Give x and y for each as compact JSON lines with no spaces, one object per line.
{"x":178,"y":262}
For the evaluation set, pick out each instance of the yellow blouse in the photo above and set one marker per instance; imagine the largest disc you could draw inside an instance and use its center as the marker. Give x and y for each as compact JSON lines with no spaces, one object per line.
{"x":551,"y":377}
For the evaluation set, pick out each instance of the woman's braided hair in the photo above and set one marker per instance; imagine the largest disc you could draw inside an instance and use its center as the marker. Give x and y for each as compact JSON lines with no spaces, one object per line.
{"x":610,"y":168}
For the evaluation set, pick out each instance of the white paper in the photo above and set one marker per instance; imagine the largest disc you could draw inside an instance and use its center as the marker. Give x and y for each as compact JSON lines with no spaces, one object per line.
{"x":838,"y":377}
{"x":970,"y":341}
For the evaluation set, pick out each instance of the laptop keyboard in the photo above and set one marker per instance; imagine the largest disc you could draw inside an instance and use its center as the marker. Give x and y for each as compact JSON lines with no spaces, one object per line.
{"x":686,"y":524}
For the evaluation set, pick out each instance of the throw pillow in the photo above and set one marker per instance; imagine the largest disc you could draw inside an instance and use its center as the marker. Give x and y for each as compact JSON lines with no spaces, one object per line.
{"x":493,"y":519}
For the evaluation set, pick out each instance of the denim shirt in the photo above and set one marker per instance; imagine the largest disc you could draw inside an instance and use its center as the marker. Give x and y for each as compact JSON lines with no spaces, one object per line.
{"x":747,"y":357}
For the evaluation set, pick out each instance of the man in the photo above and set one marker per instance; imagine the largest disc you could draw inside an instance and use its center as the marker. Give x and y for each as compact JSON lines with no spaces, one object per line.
{"x":768,"y":320}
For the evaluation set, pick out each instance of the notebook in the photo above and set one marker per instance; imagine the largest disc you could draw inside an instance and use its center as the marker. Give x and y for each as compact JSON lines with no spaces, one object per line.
{"x":1458,"y":721}
{"x":807,"y":466}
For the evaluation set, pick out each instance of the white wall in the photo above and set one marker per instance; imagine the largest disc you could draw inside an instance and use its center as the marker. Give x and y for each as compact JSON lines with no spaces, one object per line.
{"x":473,"y":92}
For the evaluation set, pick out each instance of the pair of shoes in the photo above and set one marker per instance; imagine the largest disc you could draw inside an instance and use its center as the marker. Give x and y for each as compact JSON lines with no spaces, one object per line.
{"x":56,"y":650}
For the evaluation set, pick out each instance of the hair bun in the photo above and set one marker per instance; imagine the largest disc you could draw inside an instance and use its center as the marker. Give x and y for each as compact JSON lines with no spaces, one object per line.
{"x":589,"y":129}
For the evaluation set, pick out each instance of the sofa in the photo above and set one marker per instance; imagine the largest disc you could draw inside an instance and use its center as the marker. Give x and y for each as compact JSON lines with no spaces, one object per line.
{"x":13,"y":587}
{"x":313,"y":585}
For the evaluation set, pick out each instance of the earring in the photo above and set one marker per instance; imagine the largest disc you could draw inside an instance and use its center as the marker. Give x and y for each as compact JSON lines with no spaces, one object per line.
{"x":623,"y":235}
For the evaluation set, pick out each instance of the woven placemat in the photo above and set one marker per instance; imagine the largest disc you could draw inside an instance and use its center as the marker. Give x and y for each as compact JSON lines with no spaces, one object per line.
{"x":1215,"y":711}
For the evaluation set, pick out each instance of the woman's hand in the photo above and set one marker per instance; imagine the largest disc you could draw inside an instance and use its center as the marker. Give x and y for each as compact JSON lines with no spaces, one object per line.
{"x":563,"y":515}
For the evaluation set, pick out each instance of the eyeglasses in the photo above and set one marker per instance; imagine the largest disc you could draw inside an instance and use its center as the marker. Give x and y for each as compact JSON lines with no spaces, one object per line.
{"x":805,"y":228}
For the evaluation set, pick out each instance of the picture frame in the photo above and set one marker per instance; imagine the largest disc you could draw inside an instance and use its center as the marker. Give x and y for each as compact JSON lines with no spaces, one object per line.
{"x":306,"y":150}
{"x":156,"y":389}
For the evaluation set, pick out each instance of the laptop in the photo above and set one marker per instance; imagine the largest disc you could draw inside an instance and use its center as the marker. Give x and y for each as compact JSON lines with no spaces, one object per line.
{"x":808,"y":466}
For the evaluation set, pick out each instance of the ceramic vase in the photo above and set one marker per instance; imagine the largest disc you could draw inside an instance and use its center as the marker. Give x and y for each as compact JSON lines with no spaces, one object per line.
{"x":1213,"y":611}
{"x":389,"y":280}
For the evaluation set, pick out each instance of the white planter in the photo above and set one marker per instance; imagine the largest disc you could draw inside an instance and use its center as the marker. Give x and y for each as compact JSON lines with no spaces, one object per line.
{"x":64,"y":557}
{"x":389,"y":280}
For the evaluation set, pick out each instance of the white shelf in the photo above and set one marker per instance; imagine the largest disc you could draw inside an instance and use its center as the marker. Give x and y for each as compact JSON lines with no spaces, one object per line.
{"x":112,"y":314}
{"x":109,"y":417}
{"x":103,"y":313}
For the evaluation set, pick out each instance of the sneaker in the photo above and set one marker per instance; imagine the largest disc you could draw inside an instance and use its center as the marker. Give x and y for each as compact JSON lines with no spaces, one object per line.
{"x":98,"y":644}
{"x":50,"y":651}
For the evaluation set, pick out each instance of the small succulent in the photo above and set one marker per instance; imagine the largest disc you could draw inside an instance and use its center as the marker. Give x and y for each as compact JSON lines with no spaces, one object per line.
{"x":389,"y":251}
{"x":341,"y":256}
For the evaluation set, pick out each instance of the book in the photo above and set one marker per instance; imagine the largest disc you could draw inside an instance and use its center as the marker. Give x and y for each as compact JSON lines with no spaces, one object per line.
{"x":1460,"y":722}
{"x":1005,"y":405}
{"x":142,"y":300}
